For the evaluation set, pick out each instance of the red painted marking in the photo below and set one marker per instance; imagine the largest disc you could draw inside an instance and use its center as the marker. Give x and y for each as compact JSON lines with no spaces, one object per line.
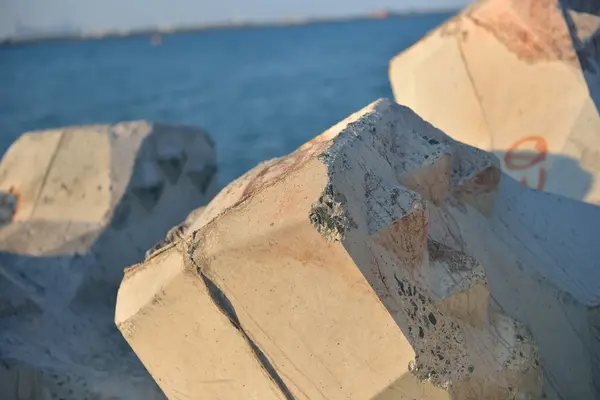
{"x":541,"y":180}
{"x":516,"y":161}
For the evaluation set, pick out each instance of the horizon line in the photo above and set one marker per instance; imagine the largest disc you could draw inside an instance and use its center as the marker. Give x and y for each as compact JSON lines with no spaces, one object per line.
{"x":236,"y":23}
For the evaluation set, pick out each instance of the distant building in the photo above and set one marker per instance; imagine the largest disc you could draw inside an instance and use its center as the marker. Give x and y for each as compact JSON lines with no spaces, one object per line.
{"x":381,"y":14}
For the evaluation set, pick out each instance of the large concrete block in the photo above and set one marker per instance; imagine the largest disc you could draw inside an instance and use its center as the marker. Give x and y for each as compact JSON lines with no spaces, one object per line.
{"x":520,"y":78}
{"x":382,"y":260}
{"x":78,"y":205}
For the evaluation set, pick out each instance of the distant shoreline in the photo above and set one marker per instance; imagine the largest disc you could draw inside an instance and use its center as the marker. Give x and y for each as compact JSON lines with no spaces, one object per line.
{"x":157,"y":32}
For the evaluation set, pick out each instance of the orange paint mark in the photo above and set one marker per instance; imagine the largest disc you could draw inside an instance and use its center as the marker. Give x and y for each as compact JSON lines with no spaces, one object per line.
{"x":541,"y":180}
{"x":516,"y":161}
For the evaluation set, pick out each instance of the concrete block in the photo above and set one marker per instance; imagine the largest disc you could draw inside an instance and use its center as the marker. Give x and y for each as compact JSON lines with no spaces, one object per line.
{"x":78,"y":205}
{"x":520,"y":79}
{"x":382,"y":260}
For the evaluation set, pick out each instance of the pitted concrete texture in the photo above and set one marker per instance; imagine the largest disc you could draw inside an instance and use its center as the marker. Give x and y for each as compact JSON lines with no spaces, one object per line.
{"x":382,"y":260}
{"x":78,"y":205}
{"x":519,"y":78}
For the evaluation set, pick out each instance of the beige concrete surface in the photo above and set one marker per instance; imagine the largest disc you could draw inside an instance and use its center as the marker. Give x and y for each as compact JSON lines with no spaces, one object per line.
{"x":79,"y":204}
{"x":520,"y":79}
{"x":382,"y":260}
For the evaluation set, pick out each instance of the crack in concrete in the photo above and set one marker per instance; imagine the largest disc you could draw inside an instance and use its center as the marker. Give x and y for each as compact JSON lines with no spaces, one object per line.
{"x":225,"y":306}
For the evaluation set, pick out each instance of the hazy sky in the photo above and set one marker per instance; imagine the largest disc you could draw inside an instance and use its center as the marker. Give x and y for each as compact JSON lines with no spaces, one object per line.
{"x":117,"y":14}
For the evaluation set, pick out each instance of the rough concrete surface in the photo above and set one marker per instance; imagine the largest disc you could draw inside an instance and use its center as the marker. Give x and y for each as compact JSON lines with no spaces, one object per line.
{"x":382,"y":260}
{"x":78,"y":205}
{"x":520,"y":78}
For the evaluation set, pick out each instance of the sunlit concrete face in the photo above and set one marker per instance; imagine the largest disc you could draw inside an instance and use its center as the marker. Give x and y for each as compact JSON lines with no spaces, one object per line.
{"x":380,"y":259}
{"x":517,"y":78}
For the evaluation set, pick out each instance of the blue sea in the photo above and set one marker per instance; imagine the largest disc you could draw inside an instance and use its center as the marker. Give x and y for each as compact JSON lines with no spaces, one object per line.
{"x":259,"y":92}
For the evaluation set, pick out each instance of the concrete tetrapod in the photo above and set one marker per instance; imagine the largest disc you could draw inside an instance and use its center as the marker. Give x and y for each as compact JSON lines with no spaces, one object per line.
{"x":80,"y":204}
{"x":519,"y":78}
{"x":382,"y":260}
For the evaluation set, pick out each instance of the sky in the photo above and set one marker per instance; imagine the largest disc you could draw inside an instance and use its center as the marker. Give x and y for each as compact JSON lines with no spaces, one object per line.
{"x":94,"y":15}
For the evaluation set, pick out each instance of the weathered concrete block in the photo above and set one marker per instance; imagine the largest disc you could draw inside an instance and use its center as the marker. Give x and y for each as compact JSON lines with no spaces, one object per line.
{"x":382,"y":260}
{"x":79,"y":205}
{"x":519,"y":78}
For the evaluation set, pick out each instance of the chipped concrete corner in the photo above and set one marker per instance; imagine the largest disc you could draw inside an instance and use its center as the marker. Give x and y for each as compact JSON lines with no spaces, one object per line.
{"x":382,"y":243}
{"x":329,"y":216}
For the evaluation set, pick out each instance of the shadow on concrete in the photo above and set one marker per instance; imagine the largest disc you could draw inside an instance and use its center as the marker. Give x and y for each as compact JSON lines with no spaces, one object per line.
{"x":57,"y":307}
{"x":587,"y":48}
{"x":564,"y":177}
{"x":552,"y":173}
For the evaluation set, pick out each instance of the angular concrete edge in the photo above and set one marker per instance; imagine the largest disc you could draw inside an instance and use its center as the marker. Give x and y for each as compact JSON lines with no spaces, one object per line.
{"x":387,"y":245}
{"x":538,"y":112}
